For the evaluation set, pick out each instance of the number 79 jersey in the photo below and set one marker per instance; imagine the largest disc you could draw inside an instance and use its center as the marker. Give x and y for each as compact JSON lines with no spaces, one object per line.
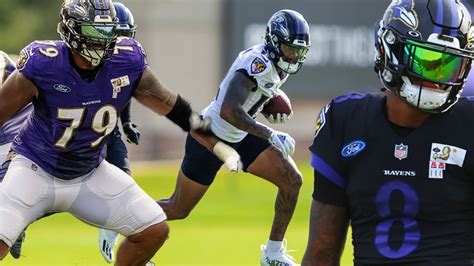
{"x":72,"y":117}
{"x":409,"y":192}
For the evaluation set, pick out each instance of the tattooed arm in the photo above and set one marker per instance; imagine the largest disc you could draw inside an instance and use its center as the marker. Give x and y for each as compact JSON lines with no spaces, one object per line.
{"x":233,"y":112}
{"x":327,"y":234}
{"x":151,"y":93}
{"x":163,"y":101}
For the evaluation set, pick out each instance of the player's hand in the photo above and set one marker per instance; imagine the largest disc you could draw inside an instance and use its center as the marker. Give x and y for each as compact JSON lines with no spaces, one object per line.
{"x":131,"y":132}
{"x":228,"y":155}
{"x":278,"y":118}
{"x":284,"y":142}
{"x":200,"y":124}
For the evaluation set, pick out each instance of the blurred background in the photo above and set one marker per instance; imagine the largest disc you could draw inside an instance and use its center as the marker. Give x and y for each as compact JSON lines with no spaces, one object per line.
{"x":191,"y":44}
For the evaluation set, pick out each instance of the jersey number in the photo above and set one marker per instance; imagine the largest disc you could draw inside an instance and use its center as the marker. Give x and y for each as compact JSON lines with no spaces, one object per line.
{"x":104,"y":122}
{"x":411,"y":236}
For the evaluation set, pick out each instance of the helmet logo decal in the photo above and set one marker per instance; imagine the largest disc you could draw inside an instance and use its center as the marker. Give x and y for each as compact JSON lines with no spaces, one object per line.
{"x":403,"y":11}
{"x":281,"y":25}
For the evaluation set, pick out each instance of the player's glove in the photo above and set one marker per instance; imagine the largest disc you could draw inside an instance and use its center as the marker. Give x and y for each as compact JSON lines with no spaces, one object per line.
{"x":228,"y":155}
{"x":131,"y":132}
{"x":278,"y":118}
{"x":200,"y":124}
{"x":284,"y":142}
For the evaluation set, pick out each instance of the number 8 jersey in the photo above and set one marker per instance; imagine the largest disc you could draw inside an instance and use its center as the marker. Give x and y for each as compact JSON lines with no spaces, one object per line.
{"x":409,"y":192}
{"x":73,"y":117}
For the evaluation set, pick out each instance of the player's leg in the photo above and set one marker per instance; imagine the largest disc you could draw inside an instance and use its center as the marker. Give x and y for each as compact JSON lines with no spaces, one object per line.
{"x":265,"y":161}
{"x":142,"y":244}
{"x":109,"y":198}
{"x":117,"y":155}
{"x":15,"y":250}
{"x":197,"y":172}
{"x":25,"y":194}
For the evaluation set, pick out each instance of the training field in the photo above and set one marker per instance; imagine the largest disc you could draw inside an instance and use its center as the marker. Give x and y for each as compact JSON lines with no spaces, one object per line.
{"x":226,"y":228}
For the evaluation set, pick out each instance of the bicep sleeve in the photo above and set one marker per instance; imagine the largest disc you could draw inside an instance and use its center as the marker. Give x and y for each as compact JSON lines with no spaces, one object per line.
{"x":327,"y":192}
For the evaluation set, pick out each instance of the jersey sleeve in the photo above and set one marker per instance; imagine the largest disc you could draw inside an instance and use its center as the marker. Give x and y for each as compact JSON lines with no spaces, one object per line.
{"x":26,"y":63}
{"x":327,"y":192}
{"x":131,"y":51}
{"x":259,"y":69}
{"x":326,"y":147}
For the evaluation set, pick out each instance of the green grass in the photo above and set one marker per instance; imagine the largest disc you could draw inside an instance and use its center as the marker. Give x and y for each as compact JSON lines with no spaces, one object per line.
{"x":226,"y":228}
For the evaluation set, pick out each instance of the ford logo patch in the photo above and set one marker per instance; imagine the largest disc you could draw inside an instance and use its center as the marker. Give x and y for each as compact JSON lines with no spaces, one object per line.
{"x":353,"y":148}
{"x":62,"y":88}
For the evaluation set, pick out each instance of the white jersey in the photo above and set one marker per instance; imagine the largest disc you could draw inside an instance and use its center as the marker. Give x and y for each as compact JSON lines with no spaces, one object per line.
{"x":255,"y":64}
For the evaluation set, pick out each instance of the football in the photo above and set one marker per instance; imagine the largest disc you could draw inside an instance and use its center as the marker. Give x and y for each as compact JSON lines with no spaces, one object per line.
{"x":279,"y":104}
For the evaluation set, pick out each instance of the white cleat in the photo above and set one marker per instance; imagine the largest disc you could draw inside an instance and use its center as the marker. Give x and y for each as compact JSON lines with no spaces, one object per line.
{"x":279,"y":258}
{"x":107,"y":241}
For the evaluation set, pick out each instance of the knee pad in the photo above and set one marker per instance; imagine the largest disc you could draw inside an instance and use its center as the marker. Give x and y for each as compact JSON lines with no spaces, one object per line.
{"x":146,"y":213}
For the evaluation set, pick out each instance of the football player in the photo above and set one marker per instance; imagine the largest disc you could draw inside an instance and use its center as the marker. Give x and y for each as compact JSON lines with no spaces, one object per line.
{"x":251,"y":81}
{"x":398,"y":166}
{"x":78,"y":87}
{"x":116,"y":150}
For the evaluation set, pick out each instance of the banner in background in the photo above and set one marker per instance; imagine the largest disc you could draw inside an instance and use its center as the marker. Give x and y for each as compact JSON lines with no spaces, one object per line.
{"x":342,"y":35}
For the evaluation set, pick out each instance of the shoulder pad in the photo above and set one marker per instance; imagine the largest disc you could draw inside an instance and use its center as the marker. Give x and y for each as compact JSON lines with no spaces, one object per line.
{"x":255,"y":62}
{"x":128,"y":49}
{"x":39,"y":53}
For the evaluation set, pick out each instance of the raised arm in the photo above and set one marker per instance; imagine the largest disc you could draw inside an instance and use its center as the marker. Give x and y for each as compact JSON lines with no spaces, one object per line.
{"x":15,"y":93}
{"x":232,"y":111}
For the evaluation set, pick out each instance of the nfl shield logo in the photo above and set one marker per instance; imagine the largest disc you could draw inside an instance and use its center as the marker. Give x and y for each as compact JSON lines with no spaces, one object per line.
{"x":401,"y":151}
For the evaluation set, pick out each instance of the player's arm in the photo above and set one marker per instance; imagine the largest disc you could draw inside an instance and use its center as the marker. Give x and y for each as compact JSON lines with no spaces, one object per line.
{"x":327,"y":234}
{"x":232,"y":111}
{"x":329,"y":220}
{"x":15,"y":93}
{"x":151,"y":93}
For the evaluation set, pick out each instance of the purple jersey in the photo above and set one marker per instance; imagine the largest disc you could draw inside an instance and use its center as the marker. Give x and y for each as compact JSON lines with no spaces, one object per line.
{"x":11,"y":127}
{"x":73,"y":117}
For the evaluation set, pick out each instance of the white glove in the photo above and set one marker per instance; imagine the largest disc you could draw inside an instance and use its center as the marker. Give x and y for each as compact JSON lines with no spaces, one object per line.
{"x":228,"y":155}
{"x":278,"y":118}
{"x":284,"y":142}
{"x":199,"y":124}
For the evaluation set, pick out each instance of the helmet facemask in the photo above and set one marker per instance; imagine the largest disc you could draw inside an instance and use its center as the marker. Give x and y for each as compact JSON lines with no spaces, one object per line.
{"x":428,"y":75}
{"x":291,"y":58}
{"x":94,"y":41}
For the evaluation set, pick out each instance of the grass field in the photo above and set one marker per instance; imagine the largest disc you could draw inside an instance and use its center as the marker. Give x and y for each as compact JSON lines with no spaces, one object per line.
{"x":226,"y":228}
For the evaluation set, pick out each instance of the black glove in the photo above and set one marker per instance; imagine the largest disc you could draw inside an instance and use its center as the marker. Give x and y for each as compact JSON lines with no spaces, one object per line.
{"x":132,"y":133}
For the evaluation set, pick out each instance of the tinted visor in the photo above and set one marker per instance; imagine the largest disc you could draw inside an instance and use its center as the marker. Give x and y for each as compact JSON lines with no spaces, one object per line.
{"x":293,"y":54}
{"x":434,"y":64}
{"x":100,"y":31}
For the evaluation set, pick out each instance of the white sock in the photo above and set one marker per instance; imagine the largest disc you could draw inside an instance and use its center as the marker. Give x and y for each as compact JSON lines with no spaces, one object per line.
{"x":274,"y":246}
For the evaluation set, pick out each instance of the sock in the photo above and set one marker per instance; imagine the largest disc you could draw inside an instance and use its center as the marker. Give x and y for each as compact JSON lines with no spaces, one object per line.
{"x":274,"y":246}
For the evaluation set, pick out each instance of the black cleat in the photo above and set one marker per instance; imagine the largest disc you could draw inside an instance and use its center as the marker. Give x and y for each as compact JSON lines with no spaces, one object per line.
{"x":15,"y":250}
